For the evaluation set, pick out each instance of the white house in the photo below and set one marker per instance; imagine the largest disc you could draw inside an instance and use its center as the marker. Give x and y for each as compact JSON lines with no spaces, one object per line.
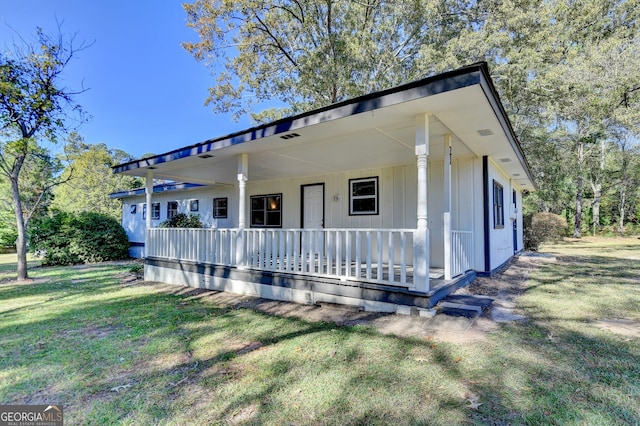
{"x":393,"y":198}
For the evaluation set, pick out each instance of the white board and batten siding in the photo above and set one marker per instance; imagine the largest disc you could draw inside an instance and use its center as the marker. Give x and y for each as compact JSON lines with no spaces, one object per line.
{"x":397,"y":191}
{"x":134,"y":224}
{"x":501,"y":239}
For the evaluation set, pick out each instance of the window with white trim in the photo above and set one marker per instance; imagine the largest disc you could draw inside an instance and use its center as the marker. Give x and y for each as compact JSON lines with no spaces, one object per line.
{"x":363,"y":196}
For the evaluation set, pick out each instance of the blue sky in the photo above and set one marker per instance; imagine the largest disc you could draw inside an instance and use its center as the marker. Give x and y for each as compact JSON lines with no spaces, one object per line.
{"x":146,"y":92}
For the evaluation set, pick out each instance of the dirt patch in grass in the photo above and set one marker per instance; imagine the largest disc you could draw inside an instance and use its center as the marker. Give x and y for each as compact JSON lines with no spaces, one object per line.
{"x":28,"y":281}
{"x":623,"y":327}
{"x":504,"y":288}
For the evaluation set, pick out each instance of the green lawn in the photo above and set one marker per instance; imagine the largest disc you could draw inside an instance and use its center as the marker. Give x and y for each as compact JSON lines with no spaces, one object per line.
{"x":117,"y":353}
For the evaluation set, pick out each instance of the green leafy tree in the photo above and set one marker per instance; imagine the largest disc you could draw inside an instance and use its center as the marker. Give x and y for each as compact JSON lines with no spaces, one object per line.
{"x":307,"y":53}
{"x":33,"y":104}
{"x":40,"y":174}
{"x":568,"y":73}
{"x":89,"y":179}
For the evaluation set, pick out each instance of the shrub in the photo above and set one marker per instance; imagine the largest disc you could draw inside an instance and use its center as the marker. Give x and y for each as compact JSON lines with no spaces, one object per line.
{"x":68,"y":238}
{"x":543,"y":227}
{"x":182,"y":220}
{"x":137,"y":269}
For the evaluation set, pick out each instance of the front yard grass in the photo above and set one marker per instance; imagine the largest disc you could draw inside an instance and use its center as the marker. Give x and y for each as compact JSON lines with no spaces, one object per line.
{"x":117,"y":352}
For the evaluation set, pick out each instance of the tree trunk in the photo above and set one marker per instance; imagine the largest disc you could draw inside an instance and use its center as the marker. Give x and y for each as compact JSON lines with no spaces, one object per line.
{"x":623,"y":199}
{"x":597,"y":196}
{"x":577,"y":227}
{"x":21,"y":242}
{"x":596,"y":185}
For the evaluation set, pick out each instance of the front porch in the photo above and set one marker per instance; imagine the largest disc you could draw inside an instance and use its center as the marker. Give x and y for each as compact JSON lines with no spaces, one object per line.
{"x":364,"y":267}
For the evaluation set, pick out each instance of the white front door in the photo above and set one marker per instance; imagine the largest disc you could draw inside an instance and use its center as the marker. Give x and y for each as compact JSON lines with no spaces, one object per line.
{"x":313,"y":206}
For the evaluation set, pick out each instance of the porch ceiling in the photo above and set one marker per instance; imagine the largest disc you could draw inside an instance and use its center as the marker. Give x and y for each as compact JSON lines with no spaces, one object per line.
{"x":381,"y":137}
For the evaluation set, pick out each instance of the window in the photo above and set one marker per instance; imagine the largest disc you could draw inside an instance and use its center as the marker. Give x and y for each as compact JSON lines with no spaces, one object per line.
{"x":363,"y":196}
{"x":266,"y":210}
{"x":172,"y":209}
{"x":219,"y":208}
{"x":155,"y":211}
{"x":132,"y":209}
{"x":498,"y":205}
{"x":194,"y":205}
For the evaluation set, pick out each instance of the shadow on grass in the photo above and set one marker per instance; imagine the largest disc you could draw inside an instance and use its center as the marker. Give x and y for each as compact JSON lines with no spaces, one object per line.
{"x":185,"y":360}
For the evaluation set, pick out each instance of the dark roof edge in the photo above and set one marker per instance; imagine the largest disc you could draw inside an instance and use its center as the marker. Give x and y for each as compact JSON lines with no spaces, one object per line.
{"x":203,"y":147}
{"x":182,"y":186}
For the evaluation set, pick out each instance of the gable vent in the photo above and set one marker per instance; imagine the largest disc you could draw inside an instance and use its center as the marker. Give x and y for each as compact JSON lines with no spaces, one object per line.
{"x":289,"y":136}
{"x":516,"y":174}
{"x":505,"y":160}
{"x":205,"y":156}
{"x":485,"y":132}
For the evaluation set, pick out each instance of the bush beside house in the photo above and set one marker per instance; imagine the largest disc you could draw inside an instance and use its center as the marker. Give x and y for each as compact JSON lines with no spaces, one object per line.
{"x":69,"y":238}
{"x":543,"y":227}
{"x":182,"y":220}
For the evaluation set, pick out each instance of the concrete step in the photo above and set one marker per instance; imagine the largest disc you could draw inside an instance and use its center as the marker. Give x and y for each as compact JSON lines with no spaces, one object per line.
{"x":469,"y":306}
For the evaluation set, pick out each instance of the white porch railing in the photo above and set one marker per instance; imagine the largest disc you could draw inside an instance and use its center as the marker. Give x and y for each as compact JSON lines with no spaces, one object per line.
{"x":382,"y":256}
{"x":377,"y":255}
{"x":461,"y":252}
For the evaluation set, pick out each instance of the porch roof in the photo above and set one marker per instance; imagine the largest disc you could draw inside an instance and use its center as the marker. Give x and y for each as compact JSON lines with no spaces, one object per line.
{"x":164,"y":187}
{"x":370,"y":131}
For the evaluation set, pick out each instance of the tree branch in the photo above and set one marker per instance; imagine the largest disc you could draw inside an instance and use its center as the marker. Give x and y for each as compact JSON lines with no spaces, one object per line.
{"x":275,"y":40}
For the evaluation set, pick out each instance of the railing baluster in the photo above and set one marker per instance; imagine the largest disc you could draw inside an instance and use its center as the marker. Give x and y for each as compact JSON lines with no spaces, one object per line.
{"x":297,"y":248}
{"x":368,"y":240}
{"x":403,"y":258}
{"x":312,"y":251}
{"x":338,"y":252}
{"x":358,"y":254}
{"x":321,"y":248}
{"x":329,"y":252}
{"x":304,"y":236}
{"x":380,"y":251}
{"x":347,"y":255}
{"x":392,"y":274}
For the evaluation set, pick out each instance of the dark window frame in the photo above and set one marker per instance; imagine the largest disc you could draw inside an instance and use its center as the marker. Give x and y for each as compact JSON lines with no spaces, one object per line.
{"x":171,"y":212}
{"x":498,"y":205}
{"x":133,"y":208}
{"x":353,"y":211}
{"x":217,"y":210}
{"x":266,"y":213}
{"x":194,"y":205}
{"x":155,"y":211}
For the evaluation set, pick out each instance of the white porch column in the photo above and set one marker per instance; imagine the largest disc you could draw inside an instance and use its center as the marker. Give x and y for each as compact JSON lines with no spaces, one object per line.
{"x":243,"y":176}
{"x":421,"y":234}
{"x":148,"y":195}
{"x":447,"y":207}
